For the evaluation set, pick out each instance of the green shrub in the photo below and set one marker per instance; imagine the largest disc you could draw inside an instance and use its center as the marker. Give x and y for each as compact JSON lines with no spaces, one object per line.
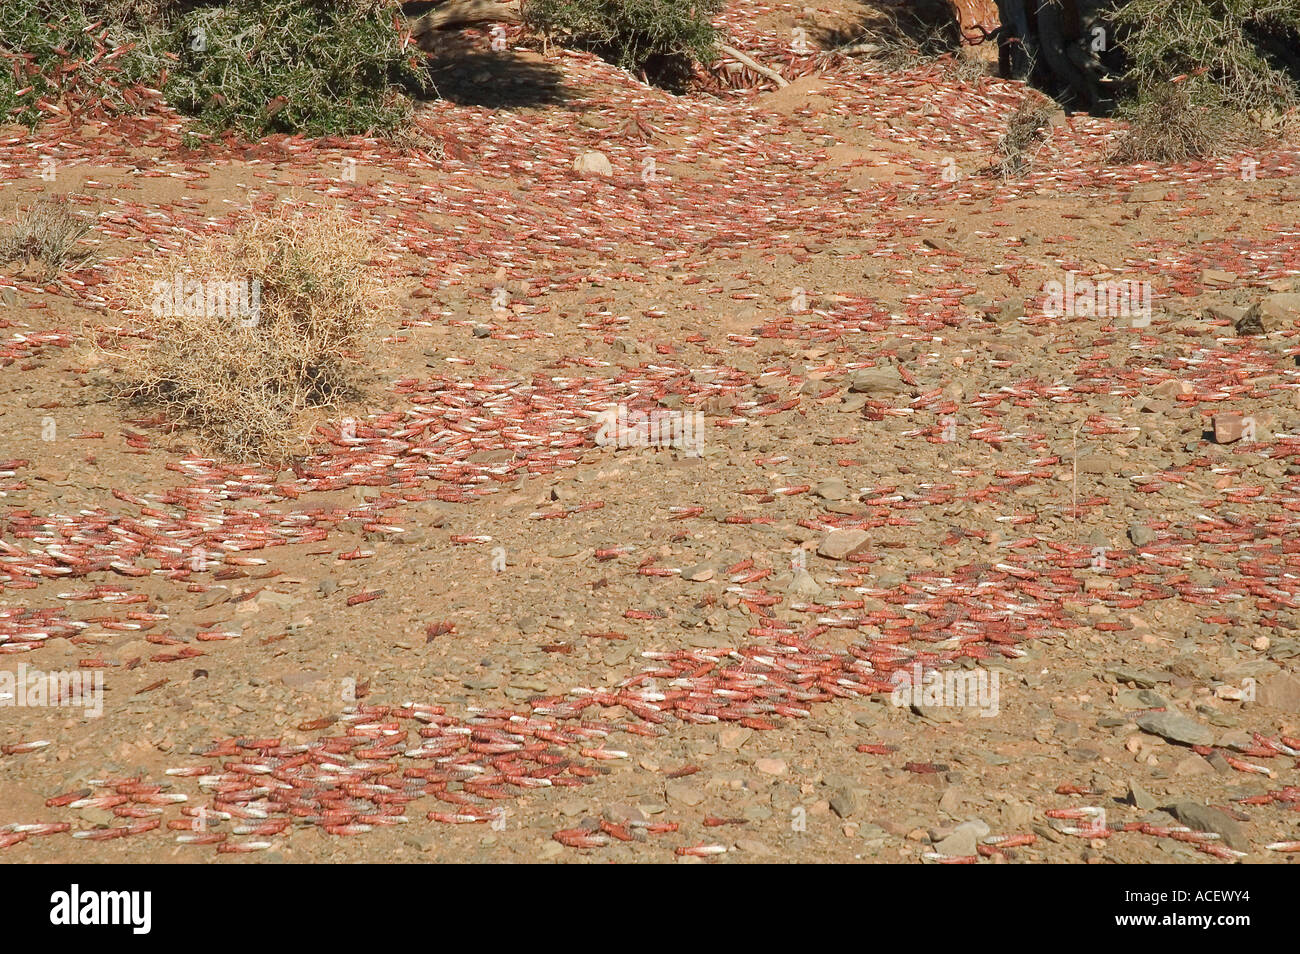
{"x":1242,"y":56}
{"x":40,"y":37}
{"x":318,"y":67}
{"x":662,"y":38}
{"x":298,"y":66}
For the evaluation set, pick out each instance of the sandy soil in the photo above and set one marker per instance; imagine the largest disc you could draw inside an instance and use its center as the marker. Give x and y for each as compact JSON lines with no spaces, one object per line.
{"x":462,"y":604}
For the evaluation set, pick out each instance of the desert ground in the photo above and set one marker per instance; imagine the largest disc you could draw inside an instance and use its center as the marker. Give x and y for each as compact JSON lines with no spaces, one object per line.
{"x":462,"y":627}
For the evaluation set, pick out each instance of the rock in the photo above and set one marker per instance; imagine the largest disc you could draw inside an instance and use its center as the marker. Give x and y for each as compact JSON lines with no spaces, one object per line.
{"x":803,"y":584}
{"x":1205,"y":818}
{"x":754,"y":847}
{"x":1139,"y":797}
{"x":960,"y":844}
{"x":482,"y":330}
{"x":1279,"y":309}
{"x":1280,"y":692}
{"x":1216,"y":276}
{"x":699,"y":573}
{"x":1228,"y":427}
{"x":832,"y":488}
{"x":1176,"y":728}
{"x":770,"y":766}
{"x":844,"y":802}
{"x":1173,"y":388}
{"x":596,"y":163}
{"x":876,"y":381}
{"x":839,"y":544}
{"x":1141,"y":535}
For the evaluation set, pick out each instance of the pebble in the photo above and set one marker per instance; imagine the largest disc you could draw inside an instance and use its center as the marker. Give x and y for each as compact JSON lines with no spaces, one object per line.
{"x":839,"y":544}
{"x":594,"y":162}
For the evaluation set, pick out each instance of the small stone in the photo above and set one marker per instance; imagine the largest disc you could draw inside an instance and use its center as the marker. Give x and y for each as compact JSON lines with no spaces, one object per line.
{"x":844,"y":802}
{"x":1228,"y":428}
{"x":596,"y":163}
{"x":699,"y":573}
{"x":771,"y":766}
{"x":832,"y":489}
{"x":960,"y":844}
{"x":482,"y":330}
{"x":839,"y":544}
{"x":1205,"y":818}
{"x":1139,"y":797}
{"x":876,"y":381}
{"x":1141,"y":535}
{"x":1216,"y":276}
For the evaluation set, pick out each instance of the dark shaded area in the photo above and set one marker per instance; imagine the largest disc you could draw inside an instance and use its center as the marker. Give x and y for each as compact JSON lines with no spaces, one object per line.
{"x":505,"y":80}
{"x":1068,"y":48}
{"x":921,"y":30}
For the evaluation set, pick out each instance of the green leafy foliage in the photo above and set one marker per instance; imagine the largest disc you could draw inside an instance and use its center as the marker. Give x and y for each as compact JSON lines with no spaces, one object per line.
{"x":661,"y":37}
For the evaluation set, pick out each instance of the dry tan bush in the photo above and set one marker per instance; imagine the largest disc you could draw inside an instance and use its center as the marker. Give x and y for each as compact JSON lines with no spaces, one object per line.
{"x":246,"y":334}
{"x":1024,"y":137}
{"x":47,"y":232}
{"x":1169,"y":126}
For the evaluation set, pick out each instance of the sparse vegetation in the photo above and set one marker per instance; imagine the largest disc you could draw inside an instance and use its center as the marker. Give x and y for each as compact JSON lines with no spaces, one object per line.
{"x":1166,"y":126}
{"x":660,"y":38}
{"x":1024,"y":137}
{"x":1206,"y":76}
{"x":46,"y":232}
{"x":244,"y":368}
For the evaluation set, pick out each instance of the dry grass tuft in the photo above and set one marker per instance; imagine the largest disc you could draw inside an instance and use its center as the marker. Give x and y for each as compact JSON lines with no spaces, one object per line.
{"x":1168,"y":126}
{"x":247,"y":334}
{"x":46,"y":232}
{"x":1023,"y":138}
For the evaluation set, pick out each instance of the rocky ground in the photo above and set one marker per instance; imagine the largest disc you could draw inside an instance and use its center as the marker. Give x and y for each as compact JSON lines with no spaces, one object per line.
{"x":464,"y":629}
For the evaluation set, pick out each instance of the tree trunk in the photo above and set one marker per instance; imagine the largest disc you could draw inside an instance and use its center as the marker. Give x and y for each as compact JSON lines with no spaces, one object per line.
{"x":456,"y":14}
{"x":1065,"y":46}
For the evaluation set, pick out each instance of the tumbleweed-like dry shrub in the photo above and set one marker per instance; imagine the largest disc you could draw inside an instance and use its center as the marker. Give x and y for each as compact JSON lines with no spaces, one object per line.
{"x":1168,"y":126}
{"x":242,"y":337}
{"x":1024,"y":137}
{"x":47,"y":232}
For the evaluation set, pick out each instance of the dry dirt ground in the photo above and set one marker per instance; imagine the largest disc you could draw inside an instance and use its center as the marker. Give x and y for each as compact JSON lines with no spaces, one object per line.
{"x":460,"y":625}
